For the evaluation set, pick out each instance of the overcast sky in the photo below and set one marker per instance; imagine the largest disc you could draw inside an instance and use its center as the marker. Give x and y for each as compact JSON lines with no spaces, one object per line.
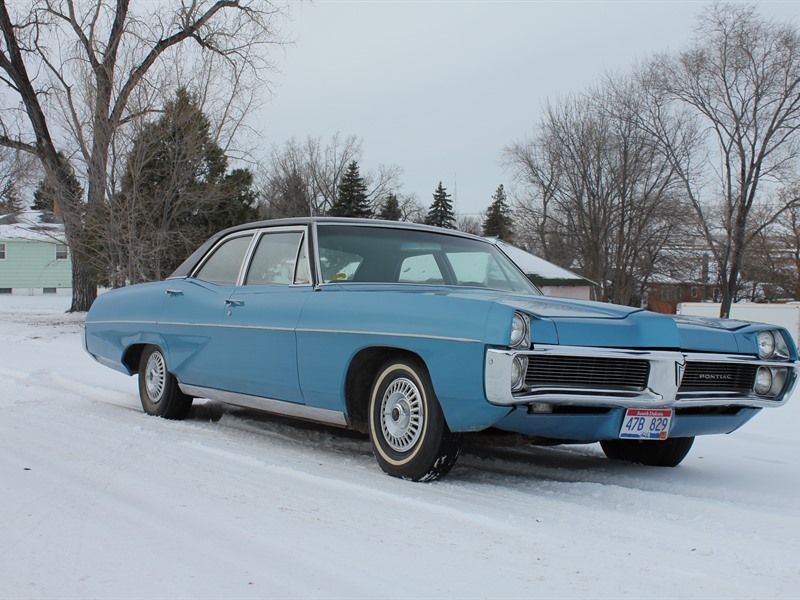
{"x":439,"y":88}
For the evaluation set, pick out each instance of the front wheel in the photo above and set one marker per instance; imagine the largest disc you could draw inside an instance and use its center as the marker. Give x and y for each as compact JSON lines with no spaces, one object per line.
{"x":654,"y":453}
{"x":158,"y":388}
{"x":409,"y":436}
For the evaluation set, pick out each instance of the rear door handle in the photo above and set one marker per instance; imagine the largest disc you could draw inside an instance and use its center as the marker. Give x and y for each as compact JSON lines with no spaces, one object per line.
{"x":174,"y":293}
{"x":234,"y":302}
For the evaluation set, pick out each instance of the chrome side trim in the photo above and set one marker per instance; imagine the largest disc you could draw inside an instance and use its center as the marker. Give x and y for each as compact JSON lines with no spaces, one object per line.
{"x":392,"y":334}
{"x":267,"y":328}
{"x":666,"y":371}
{"x":278,"y":407}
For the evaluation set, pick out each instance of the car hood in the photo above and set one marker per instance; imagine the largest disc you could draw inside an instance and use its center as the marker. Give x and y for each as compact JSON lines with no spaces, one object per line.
{"x":571,"y":322}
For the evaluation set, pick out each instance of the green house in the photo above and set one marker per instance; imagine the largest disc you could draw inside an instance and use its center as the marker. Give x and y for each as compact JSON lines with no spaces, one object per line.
{"x":34,"y":257}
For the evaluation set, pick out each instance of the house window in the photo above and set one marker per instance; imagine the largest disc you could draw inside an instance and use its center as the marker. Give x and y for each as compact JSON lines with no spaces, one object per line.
{"x":2,"y":251}
{"x":61,"y":252}
{"x":694,"y":292}
{"x":5,"y":290}
{"x":49,"y":291}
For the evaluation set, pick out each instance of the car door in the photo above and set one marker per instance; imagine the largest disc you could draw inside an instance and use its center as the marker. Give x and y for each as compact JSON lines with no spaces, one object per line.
{"x":261,"y":321}
{"x":195,"y":313}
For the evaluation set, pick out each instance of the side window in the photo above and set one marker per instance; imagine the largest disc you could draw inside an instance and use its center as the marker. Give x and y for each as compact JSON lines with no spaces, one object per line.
{"x":421,"y":268}
{"x":224,"y":264}
{"x":275,"y":258}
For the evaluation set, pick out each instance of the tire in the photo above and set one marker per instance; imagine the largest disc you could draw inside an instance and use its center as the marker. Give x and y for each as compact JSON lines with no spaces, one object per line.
{"x":654,"y":453}
{"x":158,"y":388}
{"x":410,"y":438}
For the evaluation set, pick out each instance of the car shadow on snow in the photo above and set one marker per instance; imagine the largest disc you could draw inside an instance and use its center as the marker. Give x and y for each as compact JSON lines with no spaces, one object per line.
{"x":485,"y":455}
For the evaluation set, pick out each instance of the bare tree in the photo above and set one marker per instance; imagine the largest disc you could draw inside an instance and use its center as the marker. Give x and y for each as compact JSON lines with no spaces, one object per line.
{"x":91,"y":59}
{"x":726,"y":113}
{"x":470,"y":224}
{"x":597,"y":190}
{"x":303,"y":177}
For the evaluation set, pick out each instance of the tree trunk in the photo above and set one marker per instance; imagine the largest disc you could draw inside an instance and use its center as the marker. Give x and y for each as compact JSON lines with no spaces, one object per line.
{"x":84,"y":289}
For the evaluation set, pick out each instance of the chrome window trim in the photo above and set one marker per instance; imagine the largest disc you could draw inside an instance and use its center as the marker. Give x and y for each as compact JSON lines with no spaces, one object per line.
{"x":256,"y":234}
{"x":259,"y":234}
{"x":666,"y":371}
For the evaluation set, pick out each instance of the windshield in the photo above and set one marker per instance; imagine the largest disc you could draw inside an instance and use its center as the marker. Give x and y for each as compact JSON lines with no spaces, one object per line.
{"x":360,"y":254}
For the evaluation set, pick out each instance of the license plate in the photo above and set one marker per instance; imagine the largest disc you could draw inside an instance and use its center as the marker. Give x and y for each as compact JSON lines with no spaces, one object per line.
{"x":646,"y":424}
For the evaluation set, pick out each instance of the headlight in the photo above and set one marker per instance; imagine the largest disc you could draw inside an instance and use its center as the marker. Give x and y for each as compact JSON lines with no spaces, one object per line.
{"x":772,"y":345}
{"x":766,"y":344}
{"x":763,"y":381}
{"x":520,"y":331}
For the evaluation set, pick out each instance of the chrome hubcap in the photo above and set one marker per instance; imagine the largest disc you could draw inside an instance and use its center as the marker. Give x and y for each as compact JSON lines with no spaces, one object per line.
{"x":402,"y":415}
{"x":155,"y":376}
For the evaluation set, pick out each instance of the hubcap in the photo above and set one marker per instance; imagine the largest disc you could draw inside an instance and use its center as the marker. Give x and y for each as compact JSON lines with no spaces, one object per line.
{"x":402,"y":414}
{"x":155,"y":376}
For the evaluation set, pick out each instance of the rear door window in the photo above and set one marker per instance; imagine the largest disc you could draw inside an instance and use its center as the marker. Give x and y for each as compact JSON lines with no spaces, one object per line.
{"x":225,"y":263}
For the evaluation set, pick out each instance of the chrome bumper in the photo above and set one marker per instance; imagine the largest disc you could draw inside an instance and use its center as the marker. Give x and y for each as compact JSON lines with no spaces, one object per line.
{"x":662,"y":390}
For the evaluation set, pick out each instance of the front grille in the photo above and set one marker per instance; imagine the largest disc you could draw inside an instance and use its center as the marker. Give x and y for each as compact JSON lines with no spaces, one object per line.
{"x":587,"y":372}
{"x":723,"y":377}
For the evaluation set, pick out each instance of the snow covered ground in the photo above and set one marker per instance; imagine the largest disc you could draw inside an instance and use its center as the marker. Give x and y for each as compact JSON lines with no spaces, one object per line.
{"x":98,"y":500}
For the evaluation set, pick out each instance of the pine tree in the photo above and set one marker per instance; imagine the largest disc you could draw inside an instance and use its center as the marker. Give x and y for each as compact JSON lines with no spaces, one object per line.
{"x":352,"y":198}
{"x":45,"y":192}
{"x":498,"y":222}
{"x":441,"y":214}
{"x":390,"y":211}
{"x":9,"y":199}
{"x":175,"y":192}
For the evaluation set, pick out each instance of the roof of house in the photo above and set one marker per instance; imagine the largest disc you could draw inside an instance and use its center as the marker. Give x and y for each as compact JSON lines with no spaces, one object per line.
{"x":538,"y":270}
{"x":31,"y":226}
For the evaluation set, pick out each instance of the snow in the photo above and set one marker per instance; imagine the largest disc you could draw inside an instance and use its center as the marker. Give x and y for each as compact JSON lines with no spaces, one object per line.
{"x":101,"y":501}
{"x":29,"y":226}
{"x":531,"y":264}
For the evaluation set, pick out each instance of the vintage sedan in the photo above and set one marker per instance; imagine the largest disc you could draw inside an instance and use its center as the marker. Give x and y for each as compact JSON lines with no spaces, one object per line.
{"x":415,"y":334}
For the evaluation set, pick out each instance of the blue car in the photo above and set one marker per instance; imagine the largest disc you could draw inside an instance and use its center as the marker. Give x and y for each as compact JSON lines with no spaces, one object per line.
{"x":415,"y":335}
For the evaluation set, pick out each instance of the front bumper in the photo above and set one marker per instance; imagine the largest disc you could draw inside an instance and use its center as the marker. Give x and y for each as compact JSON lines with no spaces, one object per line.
{"x":662,"y":388}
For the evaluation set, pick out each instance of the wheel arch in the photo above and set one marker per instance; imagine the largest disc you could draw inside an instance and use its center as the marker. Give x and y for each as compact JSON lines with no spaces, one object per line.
{"x":133,"y":353}
{"x":360,"y":375}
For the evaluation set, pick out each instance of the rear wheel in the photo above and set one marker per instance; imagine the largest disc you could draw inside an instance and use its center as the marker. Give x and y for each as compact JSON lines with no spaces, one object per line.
{"x":409,"y":436}
{"x":158,"y":388}
{"x":654,"y":453}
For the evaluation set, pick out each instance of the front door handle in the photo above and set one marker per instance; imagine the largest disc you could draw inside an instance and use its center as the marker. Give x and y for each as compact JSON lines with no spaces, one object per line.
{"x":174,"y":293}
{"x":234,"y":302}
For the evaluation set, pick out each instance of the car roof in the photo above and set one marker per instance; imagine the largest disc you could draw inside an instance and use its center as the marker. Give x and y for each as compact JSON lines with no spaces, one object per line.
{"x":186,"y":266}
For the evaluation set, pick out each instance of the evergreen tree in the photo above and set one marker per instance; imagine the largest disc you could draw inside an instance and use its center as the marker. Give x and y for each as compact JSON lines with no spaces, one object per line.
{"x":45,"y":192}
{"x":390,"y":211}
{"x":498,"y":221}
{"x":352,"y":198}
{"x":441,"y":214}
{"x":175,"y":193}
{"x":9,"y":199}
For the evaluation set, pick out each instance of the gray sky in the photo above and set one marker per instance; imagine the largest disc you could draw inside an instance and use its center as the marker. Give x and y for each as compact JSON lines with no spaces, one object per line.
{"x":439,"y":88}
